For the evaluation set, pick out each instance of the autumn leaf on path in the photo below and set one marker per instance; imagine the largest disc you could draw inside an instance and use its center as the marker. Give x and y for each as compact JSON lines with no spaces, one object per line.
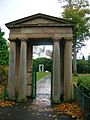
{"x":7,"y":103}
{"x":71,"y":109}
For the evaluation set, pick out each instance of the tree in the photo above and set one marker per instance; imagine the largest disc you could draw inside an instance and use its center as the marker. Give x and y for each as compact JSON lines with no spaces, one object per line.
{"x":77,"y":11}
{"x":83,"y":58}
{"x":74,"y":3}
{"x":83,"y":66}
{"x":49,"y":53}
{"x":88,"y":58}
{"x":4,"y":58}
{"x":45,"y":61}
{"x":38,"y":50}
{"x":4,"y":78}
{"x":4,"y":54}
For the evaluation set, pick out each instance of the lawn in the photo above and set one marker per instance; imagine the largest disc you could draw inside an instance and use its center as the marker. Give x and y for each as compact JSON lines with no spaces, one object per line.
{"x":83,"y":76}
{"x":41,"y":75}
{"x":75,"y":79}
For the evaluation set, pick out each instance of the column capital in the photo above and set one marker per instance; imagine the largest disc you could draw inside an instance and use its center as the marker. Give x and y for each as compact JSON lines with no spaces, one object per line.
{"x":23,"y":40}
{"x":11,"y":40}
{"x":63,"y":39}
{"x":56,"y":39}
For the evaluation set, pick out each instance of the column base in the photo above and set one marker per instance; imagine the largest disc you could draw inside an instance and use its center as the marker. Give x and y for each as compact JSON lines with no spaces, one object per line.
{"x":55,"y":101}
{"x":68,"y":100}
{"x":22,"y":99}
{"x":11,"y":99}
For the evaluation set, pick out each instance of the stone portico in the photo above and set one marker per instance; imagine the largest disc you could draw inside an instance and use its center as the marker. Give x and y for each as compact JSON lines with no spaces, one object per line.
{"x":40,"y":29}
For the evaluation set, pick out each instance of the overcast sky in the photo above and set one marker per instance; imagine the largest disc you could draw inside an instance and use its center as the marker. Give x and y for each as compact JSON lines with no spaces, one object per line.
{"x":15,"y":9}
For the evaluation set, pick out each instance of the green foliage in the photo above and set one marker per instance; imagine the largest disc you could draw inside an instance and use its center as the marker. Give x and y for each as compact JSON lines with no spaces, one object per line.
{"x":83,"y":58}
{"x":81,"y":22}
{"x":3,"y":72}
{"x":77,"y":12}
{"x":45,"y":61}
{"x":83,"y":66}
{"x":4,"y":80}
{"x":75,"y":79}
{"x":4,"y":53}
{"x":89,"y":59}
{"x":84,"y":84}
{"x":3,"y":75}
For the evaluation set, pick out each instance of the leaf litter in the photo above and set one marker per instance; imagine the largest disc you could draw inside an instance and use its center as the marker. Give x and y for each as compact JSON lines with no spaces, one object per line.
{"x":70,"y":109}
{"x":7,"y":104}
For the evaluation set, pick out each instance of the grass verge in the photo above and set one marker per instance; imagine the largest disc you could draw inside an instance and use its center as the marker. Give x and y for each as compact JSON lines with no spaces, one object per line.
{"x":40,"y":75}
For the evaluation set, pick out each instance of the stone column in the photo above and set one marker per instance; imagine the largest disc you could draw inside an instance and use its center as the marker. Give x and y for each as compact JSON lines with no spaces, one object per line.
{"x":17,"y":68}
{"x":29,"y":70}
{"x":68,"y":71}
{"x":12,"y":61}
{"x":22,"y":72}
{"x":62,"y":68}
{"x":56,"y":73}
{"x":42,"y":68}
{"x":39,"y":67}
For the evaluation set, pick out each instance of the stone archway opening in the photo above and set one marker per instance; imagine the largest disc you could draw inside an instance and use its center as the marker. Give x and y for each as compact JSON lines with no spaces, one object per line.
{"x":42,"y":54}
{"x":41,"y":90}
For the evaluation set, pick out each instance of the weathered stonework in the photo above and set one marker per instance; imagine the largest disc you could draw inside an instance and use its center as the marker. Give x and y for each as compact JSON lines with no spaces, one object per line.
{"x":35,"y":30}
{"x":12,"y":61}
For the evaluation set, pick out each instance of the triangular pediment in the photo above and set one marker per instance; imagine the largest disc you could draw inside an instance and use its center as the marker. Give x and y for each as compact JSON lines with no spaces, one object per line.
{"x":38,"y":19}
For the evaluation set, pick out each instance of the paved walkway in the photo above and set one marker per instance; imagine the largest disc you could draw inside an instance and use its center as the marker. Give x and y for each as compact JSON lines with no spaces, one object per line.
{"x":39,"y":109}
{"x":43,"y":92}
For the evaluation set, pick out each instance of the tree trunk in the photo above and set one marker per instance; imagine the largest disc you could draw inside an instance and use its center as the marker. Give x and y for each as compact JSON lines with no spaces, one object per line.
{"x":70,"y":3}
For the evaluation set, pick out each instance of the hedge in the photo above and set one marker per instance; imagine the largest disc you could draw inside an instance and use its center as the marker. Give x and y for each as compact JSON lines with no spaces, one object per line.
{"x":84,"y":84}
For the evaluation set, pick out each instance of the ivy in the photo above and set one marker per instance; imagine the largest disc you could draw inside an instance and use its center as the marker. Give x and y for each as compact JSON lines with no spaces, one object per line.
{"x":4,"y":52}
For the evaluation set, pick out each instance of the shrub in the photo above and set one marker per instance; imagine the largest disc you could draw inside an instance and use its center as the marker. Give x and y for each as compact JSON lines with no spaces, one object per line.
{"x":83,"y":66}
{"x":3,"y":74}
{"x":84,"y":84}
{"x":45,"y":61}
{"x":3,"y":81}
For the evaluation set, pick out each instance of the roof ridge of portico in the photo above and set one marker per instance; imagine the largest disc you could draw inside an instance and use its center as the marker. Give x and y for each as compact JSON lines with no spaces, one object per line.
{"x":38,"y":15}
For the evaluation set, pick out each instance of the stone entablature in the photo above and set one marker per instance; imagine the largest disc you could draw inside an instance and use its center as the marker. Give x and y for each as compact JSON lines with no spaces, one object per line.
{"x":40,"y":26}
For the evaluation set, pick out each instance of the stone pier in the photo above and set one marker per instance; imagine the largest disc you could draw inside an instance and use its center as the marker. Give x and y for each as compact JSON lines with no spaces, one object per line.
{"x":67,"y":71}
{"x":56,"y":73}
{"x":29,"y":69}
{"x":23,"y":71}
{"x":12,"y":61}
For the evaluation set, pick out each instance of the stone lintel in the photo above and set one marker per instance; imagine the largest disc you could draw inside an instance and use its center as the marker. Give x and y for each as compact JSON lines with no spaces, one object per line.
{"x":62,"y":39}
{"x":39,"y":36}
